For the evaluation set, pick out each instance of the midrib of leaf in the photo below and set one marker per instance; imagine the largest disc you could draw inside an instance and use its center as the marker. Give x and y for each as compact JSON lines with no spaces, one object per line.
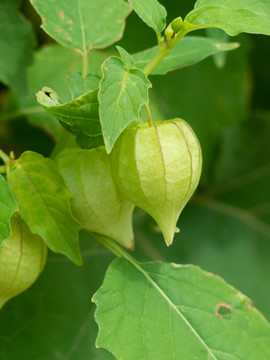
{"x":123,"y":86}
{"x":82,"y":26}
{"x":169,"y":301}
{"x":44,"y":205}
{"x":67,"y":116}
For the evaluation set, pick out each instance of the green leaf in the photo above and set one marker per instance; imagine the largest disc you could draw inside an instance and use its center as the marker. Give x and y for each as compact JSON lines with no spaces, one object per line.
{"x":80,"y":85}
{"x":22,"y":258}
{"x":182,"y":313}
{"x":54,"y":318}
{"x":232,"y":16}
{"x":46,"y":71}
{"x":82,"y":25}
{"x":151,"y":12}
{"x":43,"y":200}
{"x":121,"y":95}
{"x":7,"y":207}
{"x":80,"y":115}
{"x":188,"y":51}
{"x":16,"y":45}
{"x":126,"y":58}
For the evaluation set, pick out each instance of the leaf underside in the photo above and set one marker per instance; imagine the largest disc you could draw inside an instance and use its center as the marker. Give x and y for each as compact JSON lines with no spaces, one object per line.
{"x":43,"y":201}
{"x":79,"y":116}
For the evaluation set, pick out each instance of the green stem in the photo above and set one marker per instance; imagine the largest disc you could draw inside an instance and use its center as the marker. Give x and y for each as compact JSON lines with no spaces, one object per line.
{"x":167,"y":47}
{"x":115,"y":248}
{"x":3,"y":169}
{"x":18,"y":113}
{"x":85,"y":64}
{"x":4,"y":157}
{"x":150,"y":118}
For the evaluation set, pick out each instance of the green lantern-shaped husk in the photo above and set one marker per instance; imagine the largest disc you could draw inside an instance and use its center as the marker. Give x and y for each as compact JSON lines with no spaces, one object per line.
{"x":96,"y":203}
{"x":158,"y":168}
{"x":22,"y":258}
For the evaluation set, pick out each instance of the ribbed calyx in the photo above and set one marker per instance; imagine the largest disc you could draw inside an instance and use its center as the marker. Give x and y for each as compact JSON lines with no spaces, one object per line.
{"x":96,"y":201}
{"x":158,"y":168}
{"x":22,"y":258}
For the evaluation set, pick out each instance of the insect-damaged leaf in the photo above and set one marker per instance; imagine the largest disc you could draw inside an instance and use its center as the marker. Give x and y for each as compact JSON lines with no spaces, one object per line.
{"x":167,"y":311}
{"x":82,"y":25}
{"x":80,"y":116}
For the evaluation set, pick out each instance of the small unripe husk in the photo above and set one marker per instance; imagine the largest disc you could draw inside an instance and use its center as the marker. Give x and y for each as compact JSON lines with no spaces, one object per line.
{"x":22,"y":258}
{"x":158,"y":168}
{"x":97,"y":203}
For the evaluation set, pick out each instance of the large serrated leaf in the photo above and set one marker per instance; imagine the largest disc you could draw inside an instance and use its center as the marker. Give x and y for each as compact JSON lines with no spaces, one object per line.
{"x":80,"y":115}
{"x":232,"y":16}
{"x":16,"y":45}
{"x":121,"y":95}
{"x":151,"y":12}
{"x":171,"y":312}
{"x":188,"y":51}
{"x":82,"y":25}
{"x":7,"y":207}
{"x":43,"y":200}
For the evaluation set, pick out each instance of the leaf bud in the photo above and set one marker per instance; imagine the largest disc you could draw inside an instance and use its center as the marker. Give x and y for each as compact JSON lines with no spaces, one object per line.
{"x":177,"y":24}
{"x":169,"y":32}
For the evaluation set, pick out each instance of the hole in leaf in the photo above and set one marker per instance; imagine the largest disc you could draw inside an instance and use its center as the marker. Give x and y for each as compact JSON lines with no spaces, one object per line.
{"x":223,"y":310}
{"x":47,"y":93}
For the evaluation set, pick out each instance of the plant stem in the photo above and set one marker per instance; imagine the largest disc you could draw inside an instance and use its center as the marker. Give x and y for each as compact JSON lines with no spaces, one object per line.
{"x":17,"y":113}
{"x":85,"y":64}
{"x":167,"y":47}
{"x":150,"y":118}
{"x":4,"y":157}
{"x":3,"y":169}
{"x":115,"y":248}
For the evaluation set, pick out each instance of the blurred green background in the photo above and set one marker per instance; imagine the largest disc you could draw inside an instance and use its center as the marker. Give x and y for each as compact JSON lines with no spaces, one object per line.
{"x":225,"y":228}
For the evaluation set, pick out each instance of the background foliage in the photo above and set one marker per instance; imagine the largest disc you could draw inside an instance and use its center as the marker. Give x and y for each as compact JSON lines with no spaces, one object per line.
{"x":225,"y":229}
